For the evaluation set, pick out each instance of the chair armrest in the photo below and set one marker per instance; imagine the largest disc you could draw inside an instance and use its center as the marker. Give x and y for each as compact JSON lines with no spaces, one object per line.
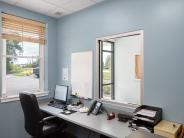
{"x":47,"y":119}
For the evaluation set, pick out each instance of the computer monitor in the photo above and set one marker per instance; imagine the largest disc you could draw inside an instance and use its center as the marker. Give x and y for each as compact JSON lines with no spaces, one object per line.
{"x":61,"y":93}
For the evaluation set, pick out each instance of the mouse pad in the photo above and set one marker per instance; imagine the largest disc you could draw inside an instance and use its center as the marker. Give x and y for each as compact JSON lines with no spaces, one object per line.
{"x":68,"y":113}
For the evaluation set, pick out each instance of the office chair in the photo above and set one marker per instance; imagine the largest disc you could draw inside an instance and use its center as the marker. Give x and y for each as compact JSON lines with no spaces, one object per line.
{"x":35,"y":124}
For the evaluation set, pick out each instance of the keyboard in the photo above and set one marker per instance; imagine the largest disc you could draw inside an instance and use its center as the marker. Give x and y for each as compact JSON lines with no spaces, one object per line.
{"x":57,"y":105}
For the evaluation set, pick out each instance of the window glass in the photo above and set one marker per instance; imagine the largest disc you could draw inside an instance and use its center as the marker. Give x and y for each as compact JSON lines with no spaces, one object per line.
{"x":107,"y":70}
{"x":16,"y":48}
{"x":107,"y":46}
{"x":13,"y":47}
{"x":22,"y":74}
{"x":107,"y":67}
{"x":107,"y":89}
{"x":30,"y":49}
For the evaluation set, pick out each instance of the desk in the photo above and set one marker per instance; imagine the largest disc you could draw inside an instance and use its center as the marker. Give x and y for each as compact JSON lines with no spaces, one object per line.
{"x":143,"y":134}
{"x":100,"y":124}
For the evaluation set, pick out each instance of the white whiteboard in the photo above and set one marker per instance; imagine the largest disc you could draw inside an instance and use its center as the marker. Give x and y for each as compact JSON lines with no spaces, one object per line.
{"x":81,"y":73}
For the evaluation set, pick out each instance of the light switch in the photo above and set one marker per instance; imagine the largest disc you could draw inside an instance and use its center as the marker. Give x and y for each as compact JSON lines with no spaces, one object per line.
{"x":65,"y":74}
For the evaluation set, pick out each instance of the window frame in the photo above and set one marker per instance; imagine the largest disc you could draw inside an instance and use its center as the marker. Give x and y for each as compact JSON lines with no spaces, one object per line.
{"x":115,"y":103}
{"x":4,"y":57}
{"x":41,"y":57}
{"x":102,"y":84}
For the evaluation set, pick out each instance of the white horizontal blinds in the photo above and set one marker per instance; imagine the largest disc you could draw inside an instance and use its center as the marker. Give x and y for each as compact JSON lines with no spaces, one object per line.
{"x":21,"y":29}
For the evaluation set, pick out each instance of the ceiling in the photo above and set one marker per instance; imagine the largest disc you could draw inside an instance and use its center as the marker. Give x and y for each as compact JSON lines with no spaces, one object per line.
{"x":53,"y":8}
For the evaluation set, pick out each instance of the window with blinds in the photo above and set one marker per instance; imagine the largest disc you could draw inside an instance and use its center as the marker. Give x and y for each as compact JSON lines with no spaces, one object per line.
{"x":22,"y":56}
{"x":21,"y":29}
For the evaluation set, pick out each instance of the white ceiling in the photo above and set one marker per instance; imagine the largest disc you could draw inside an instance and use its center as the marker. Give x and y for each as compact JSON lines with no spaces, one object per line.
{"x":52,"y":7}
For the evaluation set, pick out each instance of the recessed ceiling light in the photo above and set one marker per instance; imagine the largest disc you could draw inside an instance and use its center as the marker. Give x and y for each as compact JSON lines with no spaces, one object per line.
{"x":58,"y":13}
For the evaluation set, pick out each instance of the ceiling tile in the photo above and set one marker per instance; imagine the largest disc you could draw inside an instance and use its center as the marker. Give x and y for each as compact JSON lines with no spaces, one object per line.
{"x":78,"y":5}
{"x":97,"y":1}
{"x":58,"y":2}
{"x":10,"y":1}
{"x":50,"y":7}
{"x":36,"y":5}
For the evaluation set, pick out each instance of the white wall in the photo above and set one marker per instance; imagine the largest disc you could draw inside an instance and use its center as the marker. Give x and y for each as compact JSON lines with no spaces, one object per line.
{"x":127,"y":87}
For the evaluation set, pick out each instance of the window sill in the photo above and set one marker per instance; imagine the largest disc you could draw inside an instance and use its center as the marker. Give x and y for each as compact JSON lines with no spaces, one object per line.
{"x":119,"y":104}
{"x":16,"y":97}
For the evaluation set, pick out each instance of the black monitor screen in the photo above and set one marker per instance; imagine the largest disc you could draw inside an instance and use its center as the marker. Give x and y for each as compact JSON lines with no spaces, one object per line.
{"x":61,"y":93}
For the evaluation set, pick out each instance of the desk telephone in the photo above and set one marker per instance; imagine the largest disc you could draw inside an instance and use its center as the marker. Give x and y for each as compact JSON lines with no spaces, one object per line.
{"x":95,"y":107}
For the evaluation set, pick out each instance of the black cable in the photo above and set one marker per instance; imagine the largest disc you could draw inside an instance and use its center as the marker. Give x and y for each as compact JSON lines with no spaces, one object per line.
{"x":105,"y":110}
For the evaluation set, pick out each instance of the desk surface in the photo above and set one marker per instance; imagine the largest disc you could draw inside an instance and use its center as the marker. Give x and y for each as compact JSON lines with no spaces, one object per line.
{"x":100,"y":124}
{"x":143,"y":134}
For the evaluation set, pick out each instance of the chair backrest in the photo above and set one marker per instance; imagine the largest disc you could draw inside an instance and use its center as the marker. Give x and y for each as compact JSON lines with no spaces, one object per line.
{"x":32,"y":113}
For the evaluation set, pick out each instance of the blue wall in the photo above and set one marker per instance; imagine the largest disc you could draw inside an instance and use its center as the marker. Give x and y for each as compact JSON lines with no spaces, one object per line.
{"x":162,"y":21}
{"x":11,"y":115}
{"x":163,"y":25}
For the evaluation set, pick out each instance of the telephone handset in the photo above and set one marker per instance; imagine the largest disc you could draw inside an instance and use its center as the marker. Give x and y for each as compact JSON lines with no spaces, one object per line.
{"x":95,"y":107}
